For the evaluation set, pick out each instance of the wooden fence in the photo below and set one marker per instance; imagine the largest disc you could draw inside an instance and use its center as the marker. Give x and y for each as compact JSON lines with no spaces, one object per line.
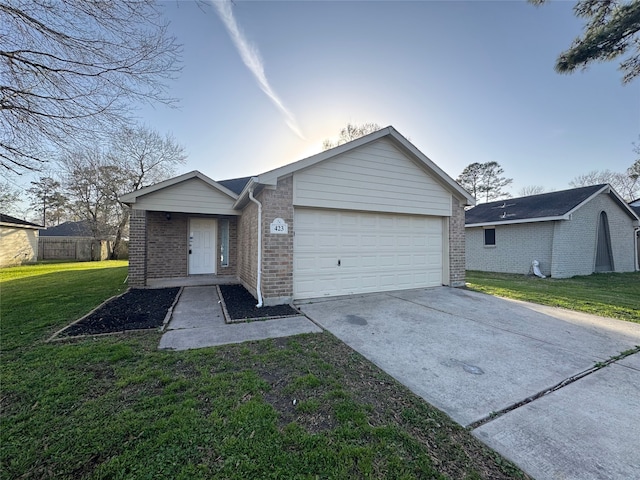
{"x":82,"y":249}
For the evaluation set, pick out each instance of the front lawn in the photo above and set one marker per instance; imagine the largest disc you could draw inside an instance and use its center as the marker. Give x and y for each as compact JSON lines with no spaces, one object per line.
{"x":615,"y":295}
{"x":116,"y":407}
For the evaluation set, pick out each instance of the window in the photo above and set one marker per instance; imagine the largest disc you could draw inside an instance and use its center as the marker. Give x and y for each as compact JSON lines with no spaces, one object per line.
{"x":224,"y":243}
{"x":490,"y":236}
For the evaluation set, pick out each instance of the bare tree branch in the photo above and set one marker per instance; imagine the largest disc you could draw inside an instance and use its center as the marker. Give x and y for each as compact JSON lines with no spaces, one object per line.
{"x":72,"y":70}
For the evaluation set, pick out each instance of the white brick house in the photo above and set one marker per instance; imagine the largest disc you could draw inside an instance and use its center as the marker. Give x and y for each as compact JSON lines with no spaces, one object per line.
{"x":571,"y":232}
{"x":371,"y":215}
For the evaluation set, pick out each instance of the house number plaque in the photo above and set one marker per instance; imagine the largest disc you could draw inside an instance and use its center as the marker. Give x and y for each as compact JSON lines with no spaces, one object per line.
{"x":279,"y":226}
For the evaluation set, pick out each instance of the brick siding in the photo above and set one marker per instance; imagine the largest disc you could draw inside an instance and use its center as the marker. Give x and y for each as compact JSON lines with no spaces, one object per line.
{"x":457,"y":245}
{"x":167,"y":248}
{"x":248,"y":247}
{"x":516,"y":247}
{"x":574,"y":243}
{"x":277,"y":249}
{"x":564,"y":248}
{"x":137,"y":248}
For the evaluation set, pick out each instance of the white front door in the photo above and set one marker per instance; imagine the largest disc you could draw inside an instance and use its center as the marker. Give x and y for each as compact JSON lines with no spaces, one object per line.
{"x":202,"y":246}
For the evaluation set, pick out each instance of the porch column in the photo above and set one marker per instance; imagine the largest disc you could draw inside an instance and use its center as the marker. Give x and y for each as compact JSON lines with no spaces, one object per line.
{"x":138,"y":248}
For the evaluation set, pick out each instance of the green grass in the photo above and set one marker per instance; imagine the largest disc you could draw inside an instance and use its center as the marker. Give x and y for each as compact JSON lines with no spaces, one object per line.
{"x":116,"y":407}
{"x":615,"y":295}
{"x":44,"y":297}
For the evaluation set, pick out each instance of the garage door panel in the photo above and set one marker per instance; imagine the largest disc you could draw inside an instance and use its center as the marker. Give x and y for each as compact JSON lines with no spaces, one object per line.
{"x":377,"y":252}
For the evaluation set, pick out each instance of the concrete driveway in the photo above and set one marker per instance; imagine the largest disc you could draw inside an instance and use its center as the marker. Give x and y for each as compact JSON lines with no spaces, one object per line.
{"x":485,"y":360}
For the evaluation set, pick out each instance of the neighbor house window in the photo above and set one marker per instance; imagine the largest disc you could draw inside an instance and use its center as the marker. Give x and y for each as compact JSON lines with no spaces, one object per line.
{"x":224,"y":243}
{"x":490,"y":236}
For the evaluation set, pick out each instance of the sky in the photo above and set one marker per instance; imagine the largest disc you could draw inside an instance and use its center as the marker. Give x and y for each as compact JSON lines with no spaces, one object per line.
{"x":263,"y":83}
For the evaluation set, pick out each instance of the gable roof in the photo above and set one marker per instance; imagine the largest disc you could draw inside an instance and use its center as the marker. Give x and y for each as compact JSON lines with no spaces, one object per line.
{"x":16,"y":222}
{"x":539,"y":208}
{"x":81,"y":228}
{"x":271,"y":177}
{"x":131,"y":197}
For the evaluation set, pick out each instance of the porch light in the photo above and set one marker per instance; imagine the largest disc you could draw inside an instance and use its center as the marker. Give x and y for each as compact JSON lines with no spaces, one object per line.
{"x":168,"y":215}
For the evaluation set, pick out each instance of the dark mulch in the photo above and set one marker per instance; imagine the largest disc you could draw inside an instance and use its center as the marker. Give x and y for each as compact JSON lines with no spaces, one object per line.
{"x":137,"y":309}
{"x":241,"y":305}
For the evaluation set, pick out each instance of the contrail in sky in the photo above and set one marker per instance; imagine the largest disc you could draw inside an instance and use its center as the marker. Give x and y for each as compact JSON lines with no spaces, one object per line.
{"x":251,"y":58}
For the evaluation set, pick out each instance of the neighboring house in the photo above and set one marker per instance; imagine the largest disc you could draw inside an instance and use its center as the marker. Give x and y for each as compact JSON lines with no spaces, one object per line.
{"x":18,"y":241}
{"x":81,"y":228}
{"x":635,"y":206}
{"x":374,"y":214}
{"x":570,"y":232}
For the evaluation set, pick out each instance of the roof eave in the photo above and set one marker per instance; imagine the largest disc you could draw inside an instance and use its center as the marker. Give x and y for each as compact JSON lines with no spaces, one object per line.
{"x":520,"y":220}
{"x":22,"y":225}
{"x":243,"y":198}
{"x":130,"y":198}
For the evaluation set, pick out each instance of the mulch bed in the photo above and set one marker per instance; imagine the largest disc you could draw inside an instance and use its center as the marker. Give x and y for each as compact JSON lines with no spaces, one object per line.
{"x":241,"y":305}
{"x":137,"y":309}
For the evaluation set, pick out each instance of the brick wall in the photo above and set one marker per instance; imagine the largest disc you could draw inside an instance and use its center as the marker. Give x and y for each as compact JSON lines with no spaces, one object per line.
{"x":574,"y":247}
{"x":137,"y":248}
{"x":277,"y":251}
{"x":167,"y":247}
{"x":247,"y":250}
{"x":516,"y":247}
{"x":457,"y":264}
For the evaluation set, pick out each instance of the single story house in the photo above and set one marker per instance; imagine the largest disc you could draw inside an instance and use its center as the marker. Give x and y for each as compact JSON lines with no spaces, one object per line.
{"x":18,"y":241}
{"x":80,"y":228}
{"x":571,"y":232}
{"x":374,"y":214}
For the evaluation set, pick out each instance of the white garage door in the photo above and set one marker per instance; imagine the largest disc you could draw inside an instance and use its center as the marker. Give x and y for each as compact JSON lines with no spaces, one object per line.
{"x":343,"y":253}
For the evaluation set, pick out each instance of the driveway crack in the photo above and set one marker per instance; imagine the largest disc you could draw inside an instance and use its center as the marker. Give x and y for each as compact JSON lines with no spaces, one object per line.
{"x":567,"y":381}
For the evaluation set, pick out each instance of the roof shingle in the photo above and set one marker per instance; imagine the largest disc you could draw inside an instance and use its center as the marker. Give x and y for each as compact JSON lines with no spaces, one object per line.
{"x":554,"y":204}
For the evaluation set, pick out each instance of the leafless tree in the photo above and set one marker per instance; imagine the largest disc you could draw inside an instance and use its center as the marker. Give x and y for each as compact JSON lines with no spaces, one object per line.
{"x":71,"y":70}
{"x":145,"y":155}
{"x":9,"y":198}
{"x":135,"y":158}
{"x":84,"y":173}
{"x":531,"y":190}
{"x":350,"y":132}
{"x":626,"y":184}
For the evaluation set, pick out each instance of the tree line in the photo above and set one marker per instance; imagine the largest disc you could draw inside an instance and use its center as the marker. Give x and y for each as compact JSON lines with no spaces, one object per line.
{"x":88,"y":182}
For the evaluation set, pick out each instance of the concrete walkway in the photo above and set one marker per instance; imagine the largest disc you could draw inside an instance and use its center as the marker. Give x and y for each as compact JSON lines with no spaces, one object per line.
{"x":197,"y":321}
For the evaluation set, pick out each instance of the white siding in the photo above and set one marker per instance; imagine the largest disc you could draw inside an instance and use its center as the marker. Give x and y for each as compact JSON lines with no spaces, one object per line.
{"x":375,"y":177}
{"x":516,"y":247}
{"x":190,"y":196}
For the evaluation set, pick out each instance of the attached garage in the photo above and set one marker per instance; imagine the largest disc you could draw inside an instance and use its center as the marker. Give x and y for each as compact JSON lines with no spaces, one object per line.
{"x":371,"y":215}
{"x":339,"y":252}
